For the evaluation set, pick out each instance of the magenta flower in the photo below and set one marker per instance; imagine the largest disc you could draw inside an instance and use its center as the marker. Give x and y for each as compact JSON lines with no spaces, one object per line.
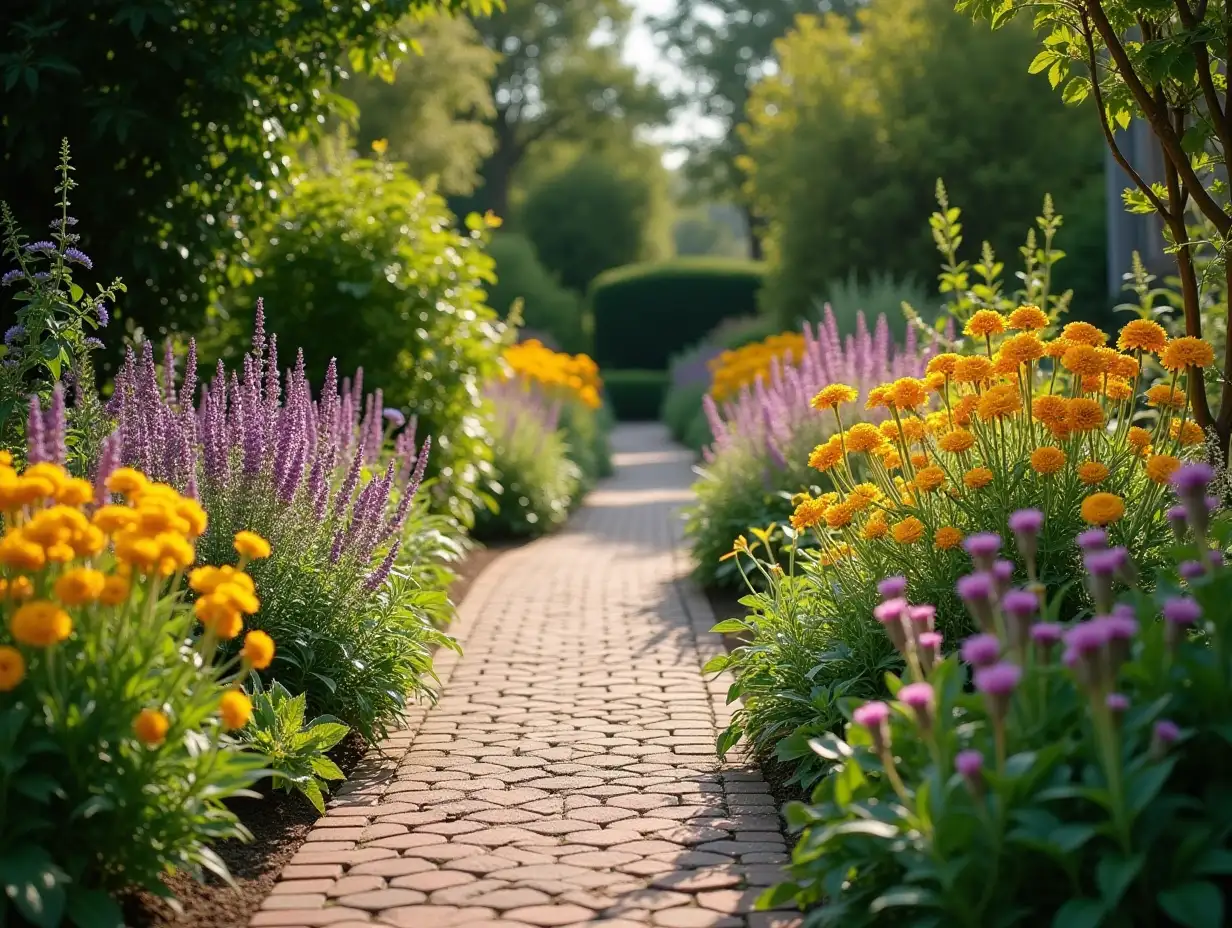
{"x":1117,"y":702}
{"x":1193,"y":478}
{"x":1047,"y":632}
{"x":1020,"y":603}
{"x":1166,"y":731}
{"x":1190,"y":570}
{"x":1026,"y":521}
{"x":983,"y":547}
{"x":981,"y":650}
{"x":890,"y":611}
{"x":1176,"y":515}
{"x":874,"y":716}
{"x":969,"y":764}
{"x":999,"y":679}
{"x":919,"y":698}
{"x":1092,"y":539}
{"x":922,"y":615}
{"x":892,"y":587}
{"x":1003,"y":574}
{"x":931,"y":641}
{"x":1104,"y":563}
{"x":1182,"y":610}
{"x":977,"y":587}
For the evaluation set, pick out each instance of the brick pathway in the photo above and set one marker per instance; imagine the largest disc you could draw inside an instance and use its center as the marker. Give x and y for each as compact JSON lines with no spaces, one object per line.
{"x":567,"y":776}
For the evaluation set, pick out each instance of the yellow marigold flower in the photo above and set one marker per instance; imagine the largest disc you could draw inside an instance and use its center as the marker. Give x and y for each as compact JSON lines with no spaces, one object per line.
{"x":1083,"y":360}
{"x":19,"y":552}
{"x":1123,"y":365}
{"x":12,"y":668}
{"x":808,"y":513}
{"x":258,"y":649}
{"x":908,"y":393}
{"x":1142,"y":335}
{"x":1092,"y":472}
{"x":1023,"y":348}
{"x":999,"y":401}
{"x":137,"y":551}
{"x":126,"y":481}
{"x":1191,"y":434}
{"x":115,"y":590}
{"x":973,"y":368}
{"x":914,"y":430}
{"x":863,"y":436}
{"x":928,"y":479}
{"x":27,"y":490}
{"x":79,"y":586}
{"x":985,"y":322}
{"x":1048,"y":409}
{"x":1056,"y":348}
{"x":947,"y":538}
{"x":826,"y":456}
{"x":1163,"y":395}
{"x":1161,"y":467}
{"x":237,"y":596}
{"x":20,"y":588}
{"x":1028,"y":318}
{"x":964,"y":408}
{"x":935,"y":382}
{"x":908,"y":531}
{"x":235,"y":709}
{"x":219,"y":616}
{"x":942,"y":364}
{"x":1004,"y":366}
{"x":75,"y":492}
{"x":61,"y":553}
{"x":1084,"y":415}
{"x":1187,"y":351}
{"x":863,"y":495}
{"x":1139,"y":438}
{"x":937,"y":423}
{"x":830,"y":556}
{"x":112,"y":518}
{"x":957,"y":441}
{"x":175,"y":553}
{"x":151,"y":727}
{"x":875,"y":527}
{"x":1102,"y":508}
{"x":40,"y":624}
{"x":1084,"y":334}
{"x":1118,"y":389}
{"x":840,"y":515}
{"x":835,"y":395}
{"x":6,"y":459}
{"x":154,"y":518}
{"x":878,"y":398}
{"x":891,"y":459}
{"x":251,"y":545}
{"x":1047,"y":460}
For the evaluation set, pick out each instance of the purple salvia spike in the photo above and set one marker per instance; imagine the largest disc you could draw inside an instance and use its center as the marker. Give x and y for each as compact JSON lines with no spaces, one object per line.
{"x":168,"y":371}
{"x":258,"y":329}
{"x":342,"y":500}
{"x":36,"y":449}
{"x":55,"y":428}
{"x":108,"y":462}
{"x":189,"y":389}
{"x":378,"y":577}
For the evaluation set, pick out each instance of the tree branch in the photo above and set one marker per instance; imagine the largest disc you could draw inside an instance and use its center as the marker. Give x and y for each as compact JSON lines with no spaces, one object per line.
{"x":1203,"y":60}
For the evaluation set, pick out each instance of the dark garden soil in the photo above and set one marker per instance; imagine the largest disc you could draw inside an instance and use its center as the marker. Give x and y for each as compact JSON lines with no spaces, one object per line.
{"x":279,"y":823}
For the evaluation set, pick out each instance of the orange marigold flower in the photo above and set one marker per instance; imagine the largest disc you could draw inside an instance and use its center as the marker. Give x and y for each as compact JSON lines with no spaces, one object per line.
{"x":830,"y":556}
{"x":1092,"y":472}
{"x":1084,"y":334}
{"x":840,"y":515}
{"x":1023,"y":347}
{"x":1083,"y":360}
{"x":929,"y":478}
{"x":1004,"y":366}
{"x":1123,"y":365}
{"x":79,"y":586}
{"x":919,"y":459}
{"x":40,"y":624}
{"x":908,"y":531}
{"x":977,"y":478}
{"x":957,"y":441}
{"x":943,"y":363}
{"x":808,"y":513}
{"x":878,"y":398}
{"x":235,"y":709}
{"x":891,"y":459}
{"x":250,"y":545}
{"x":1190,"y":434}
{"x":999,"y":401}
{"x":973,"y":368}
{"x":985,"y":322}
{"x":1056,"y":348}
{"x":258,"y":649}
{"x":826,"y":456}
{"x":835,"y":395}
{"x":1139,"y":438}
{"x":935,"y":382}
{"x":947,"y":538}
{"x":1161,"y":467}
{"x":151,"y":727}
{"x":1163,"y":395}
{"x":1187,"y":351}
{"x":1084,"y":415}
{"x":863,"y":436}
{"x":1047,"y":460}
{"x":1118,"y":389}
{"x":1142,"y":335}
{"x":1028,"y":318}
{"x":875,"y":527}
{"x":964,"y":408}
{"x":1048,"y":409}
{"x":863,"y":495}
{"x":1102,"y":508}
{"x":12,"y":668}
{"x":908,"y":393}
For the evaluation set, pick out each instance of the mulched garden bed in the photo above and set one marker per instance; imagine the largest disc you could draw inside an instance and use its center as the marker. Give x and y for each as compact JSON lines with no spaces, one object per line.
{"x":279,"y":823}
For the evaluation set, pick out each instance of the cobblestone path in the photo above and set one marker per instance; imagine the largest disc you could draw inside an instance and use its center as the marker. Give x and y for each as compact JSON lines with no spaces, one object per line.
{"x":567,"y":775}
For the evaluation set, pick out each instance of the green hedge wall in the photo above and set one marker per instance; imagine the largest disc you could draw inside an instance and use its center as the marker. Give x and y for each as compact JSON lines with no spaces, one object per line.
{"x":645,"y":313}
{"x":635,"y":396}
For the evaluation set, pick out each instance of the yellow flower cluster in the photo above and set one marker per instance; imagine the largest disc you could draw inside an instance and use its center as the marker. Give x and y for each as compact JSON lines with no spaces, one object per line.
{"x":53,"y":555}
{"x":1004,"y":422}
{"x":733,"y":370}
{"x":573,"y":375}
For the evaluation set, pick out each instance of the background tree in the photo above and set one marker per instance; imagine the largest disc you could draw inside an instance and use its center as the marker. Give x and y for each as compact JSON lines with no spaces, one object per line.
{"x":435,"y":113}
{"x":182,"y":110}
{"x":846,"y":142}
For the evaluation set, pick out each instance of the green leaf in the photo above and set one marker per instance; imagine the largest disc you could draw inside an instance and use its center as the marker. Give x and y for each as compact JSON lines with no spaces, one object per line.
{"x":327,"y":769}
{"x":35,"y":885}
{"x":730,"y":627}
{"x":1145,"y":785}
{"x":777,"y":896}
{"x":1042,"y":61}
{"x":717,"y":664}
{"x":1113,"y":874}
{"x":830,"y":746}
{"x":1197,"y":904}
{"x":1079,"y":913}
{"x":90,"y":908}
{"x":1215,"y":861}
{"x":908,"y":896}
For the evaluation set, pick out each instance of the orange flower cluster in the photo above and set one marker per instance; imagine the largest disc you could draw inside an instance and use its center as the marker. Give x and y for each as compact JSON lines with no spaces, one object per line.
{"x":571,"y":375}
{"x":733,"y":370}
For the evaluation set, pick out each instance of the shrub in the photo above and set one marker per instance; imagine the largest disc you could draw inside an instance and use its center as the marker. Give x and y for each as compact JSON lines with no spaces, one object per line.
{"x":680,"y":301}
{"x":547,"y":307}
{"x":114,"y":714}
{"x":1081,"y":783}
{"x":635,"y":396}
{"x":367,"y":267}
{"x":876,"y":294}
{"x":306,"y":474}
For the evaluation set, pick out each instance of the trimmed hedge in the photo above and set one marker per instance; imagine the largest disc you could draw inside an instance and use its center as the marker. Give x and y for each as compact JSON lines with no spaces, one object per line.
{"x":635,"y":396}
{"x":645,"y":313}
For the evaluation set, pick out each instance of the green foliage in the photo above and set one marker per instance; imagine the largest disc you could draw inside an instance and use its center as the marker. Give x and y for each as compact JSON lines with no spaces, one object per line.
{"x":184,"y":110}
{"x":595,"y":215}
{"x":547,"y":307}
{"x":634,"y":395}
{"x":845,"y":142}
{"x":364,"y":265}
{"x":434,"y":114}
{"x":1091,"y":790}
{"x":681,"y":301}
{"x":587,"y":438}
{"x":294,"y":749}
{"x":877,"y":294}
{"x":683,"y":416}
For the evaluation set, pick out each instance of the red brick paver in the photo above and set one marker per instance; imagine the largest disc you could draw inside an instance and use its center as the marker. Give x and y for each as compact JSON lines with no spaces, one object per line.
{"x":567,"y":776}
